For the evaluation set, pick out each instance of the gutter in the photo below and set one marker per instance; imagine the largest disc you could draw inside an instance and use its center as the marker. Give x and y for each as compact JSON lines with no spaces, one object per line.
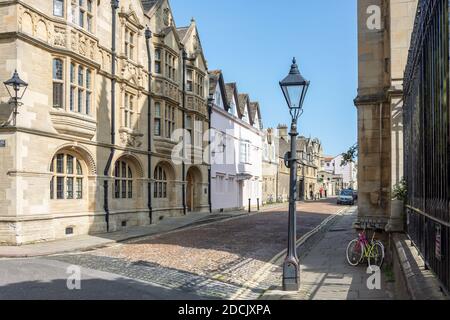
{"x":148,"y":36}
{"x":114,"y":7}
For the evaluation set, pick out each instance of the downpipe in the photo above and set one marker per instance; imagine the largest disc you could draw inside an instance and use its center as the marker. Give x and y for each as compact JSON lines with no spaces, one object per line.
{"x":114,"y":7}
{"x":148,"y":36}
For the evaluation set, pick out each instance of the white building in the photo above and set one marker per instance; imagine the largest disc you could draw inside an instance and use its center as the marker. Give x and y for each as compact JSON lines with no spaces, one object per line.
{"x":236,"y":151}
{"x":349,"y":172}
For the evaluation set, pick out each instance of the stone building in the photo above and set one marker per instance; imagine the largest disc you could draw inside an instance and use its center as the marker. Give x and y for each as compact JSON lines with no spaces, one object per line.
{"x":310,"y":162}
{"x":87,"y":154}
{"x":270,"y":166}
{"x":384,"y":32}
{"x":349,"y":171}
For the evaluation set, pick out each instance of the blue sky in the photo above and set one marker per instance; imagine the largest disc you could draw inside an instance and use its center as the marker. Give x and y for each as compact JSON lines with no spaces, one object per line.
{"x":253,"y":42}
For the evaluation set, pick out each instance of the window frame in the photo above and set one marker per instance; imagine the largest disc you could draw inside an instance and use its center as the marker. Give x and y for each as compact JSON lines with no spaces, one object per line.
{"x":64,"y":175}
{"x":160,"y":183}
{"x":62,"y":2}
{"x":58,"y":83}
{"x":157,"y":119}
{"x":123,"y":180}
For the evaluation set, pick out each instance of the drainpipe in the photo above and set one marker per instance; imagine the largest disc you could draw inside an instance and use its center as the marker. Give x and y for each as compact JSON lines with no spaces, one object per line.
{"x":114,"y":6}
{"x":148,"y":36}
{"x":184,"y":128}
{"x":210,"y":110}
{"x":380,"y":202}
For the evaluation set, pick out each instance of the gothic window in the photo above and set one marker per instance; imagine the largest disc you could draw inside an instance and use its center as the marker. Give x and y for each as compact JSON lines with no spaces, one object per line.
{"x":160,"y":178}
{"x":67,"y":180}
{"x":58,"y":8}
{"x":58,"y":83}
{"x":123,"y":182}
{"x":157,"y":120}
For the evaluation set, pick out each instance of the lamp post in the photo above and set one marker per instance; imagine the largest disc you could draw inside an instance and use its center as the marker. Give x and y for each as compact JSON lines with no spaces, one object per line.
{"x":294,"y":88}
{"x":16,"y":89}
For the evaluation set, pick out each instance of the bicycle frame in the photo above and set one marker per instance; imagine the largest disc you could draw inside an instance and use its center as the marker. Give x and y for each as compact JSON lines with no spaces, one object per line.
{"x":363,"y":242}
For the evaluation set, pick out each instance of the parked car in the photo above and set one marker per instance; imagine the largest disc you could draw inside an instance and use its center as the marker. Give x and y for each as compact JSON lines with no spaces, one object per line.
{"x":346,"y":197}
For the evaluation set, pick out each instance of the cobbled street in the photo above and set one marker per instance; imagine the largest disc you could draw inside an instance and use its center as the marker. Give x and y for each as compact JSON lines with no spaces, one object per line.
{"x":213,"y":261}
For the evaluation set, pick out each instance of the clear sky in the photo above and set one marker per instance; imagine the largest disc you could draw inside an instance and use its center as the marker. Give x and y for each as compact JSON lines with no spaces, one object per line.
{"x":253,"y":42}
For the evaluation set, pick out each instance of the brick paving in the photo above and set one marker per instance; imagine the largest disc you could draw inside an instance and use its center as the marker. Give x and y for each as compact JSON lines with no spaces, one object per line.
{"x":214,"y":261}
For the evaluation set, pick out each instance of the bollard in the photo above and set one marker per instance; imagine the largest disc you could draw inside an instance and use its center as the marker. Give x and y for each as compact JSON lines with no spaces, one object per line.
{"x":249,"y":205}
{"x":258,"y":203}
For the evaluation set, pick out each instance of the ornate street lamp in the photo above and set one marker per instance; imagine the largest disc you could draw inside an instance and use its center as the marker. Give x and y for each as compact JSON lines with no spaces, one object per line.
{"x":294,"y":88}
{"x":16,"y":89}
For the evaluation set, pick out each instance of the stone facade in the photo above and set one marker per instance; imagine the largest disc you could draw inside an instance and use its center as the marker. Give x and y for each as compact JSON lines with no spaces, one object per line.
{"x":310,"y":163}
{"x":385,"y":28}
{"x":270,"y":166}
{"x":63,"y":152}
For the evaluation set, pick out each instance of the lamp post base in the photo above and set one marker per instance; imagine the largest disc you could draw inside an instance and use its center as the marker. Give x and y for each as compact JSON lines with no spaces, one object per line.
{"x":291,"y":278}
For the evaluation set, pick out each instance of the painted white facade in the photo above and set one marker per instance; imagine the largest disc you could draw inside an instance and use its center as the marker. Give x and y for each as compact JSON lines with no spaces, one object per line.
{"x":236,"y":171}
{"x":349,"y":172}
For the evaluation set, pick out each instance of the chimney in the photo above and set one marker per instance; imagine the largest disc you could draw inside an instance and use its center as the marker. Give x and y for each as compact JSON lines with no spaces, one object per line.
{"x":283,"y":132}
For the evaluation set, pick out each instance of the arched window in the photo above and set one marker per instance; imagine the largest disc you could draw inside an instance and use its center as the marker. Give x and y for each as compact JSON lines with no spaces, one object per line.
{"x":160,"y":177}
{"x":123,"y":182}
{"x":67,"y":180}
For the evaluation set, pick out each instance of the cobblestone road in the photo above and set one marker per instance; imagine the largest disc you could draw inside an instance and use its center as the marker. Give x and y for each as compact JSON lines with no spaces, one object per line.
{"x":212,"y":261}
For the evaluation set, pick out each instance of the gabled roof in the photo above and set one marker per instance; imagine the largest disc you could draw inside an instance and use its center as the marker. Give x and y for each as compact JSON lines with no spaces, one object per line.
{"x":216,"y":78}
{"x":243,"y":101}
{"x":148,"y":4}
{"x":182,"y":32}
{"x":231,"y":90}
{"x":255,"y":110}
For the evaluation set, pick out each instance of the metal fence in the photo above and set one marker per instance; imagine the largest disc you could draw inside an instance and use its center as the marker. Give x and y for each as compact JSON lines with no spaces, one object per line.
{"x":427,"y":136}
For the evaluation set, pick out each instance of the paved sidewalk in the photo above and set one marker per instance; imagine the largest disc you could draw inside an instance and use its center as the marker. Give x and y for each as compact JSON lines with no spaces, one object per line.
{"x":89,"y":242}
{"x":325,"y":273}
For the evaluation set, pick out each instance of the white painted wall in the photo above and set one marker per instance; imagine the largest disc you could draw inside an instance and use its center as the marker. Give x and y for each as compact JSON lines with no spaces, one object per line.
{"x":348,"y":172}
{"x":227,"y":192}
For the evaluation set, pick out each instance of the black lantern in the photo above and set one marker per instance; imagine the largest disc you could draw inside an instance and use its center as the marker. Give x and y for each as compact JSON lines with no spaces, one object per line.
{"x":16,"y":87}
{"x":294,"y":88}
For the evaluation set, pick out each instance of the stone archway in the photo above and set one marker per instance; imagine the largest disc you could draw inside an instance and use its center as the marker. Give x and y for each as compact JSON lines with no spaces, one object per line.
{"x":193,"y":189}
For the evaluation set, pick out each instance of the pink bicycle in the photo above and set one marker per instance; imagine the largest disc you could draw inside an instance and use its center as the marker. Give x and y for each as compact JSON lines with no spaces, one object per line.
{"x":361,"y":248}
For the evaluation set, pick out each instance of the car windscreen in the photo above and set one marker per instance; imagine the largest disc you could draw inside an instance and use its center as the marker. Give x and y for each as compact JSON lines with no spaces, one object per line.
{"x":347,"y":193}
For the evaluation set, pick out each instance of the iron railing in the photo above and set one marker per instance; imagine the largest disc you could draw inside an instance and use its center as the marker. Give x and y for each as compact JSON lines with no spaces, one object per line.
{"x":427,"y":136}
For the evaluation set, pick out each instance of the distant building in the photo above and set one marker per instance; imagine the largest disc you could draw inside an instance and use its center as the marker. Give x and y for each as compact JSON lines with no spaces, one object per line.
{"x":349,"y":172}
{"x":310,"y":157}
{"x":270,"y":166}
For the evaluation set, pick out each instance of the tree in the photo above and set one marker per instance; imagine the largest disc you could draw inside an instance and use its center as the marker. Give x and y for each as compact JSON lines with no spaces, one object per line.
{"x":350,"y":156}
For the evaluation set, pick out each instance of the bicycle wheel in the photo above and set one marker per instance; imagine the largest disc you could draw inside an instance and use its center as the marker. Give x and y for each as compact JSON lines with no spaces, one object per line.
{"x":376,"y":256}
{"x":354,"y":253}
